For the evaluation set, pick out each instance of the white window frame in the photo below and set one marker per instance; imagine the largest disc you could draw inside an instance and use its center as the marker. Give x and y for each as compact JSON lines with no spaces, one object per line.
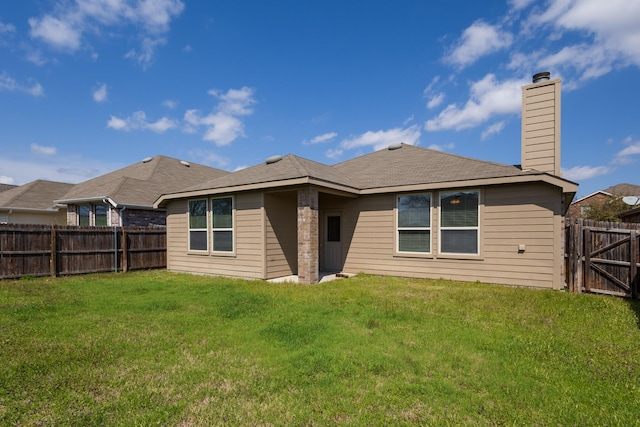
{"x":205,"y":229}
{"x":223,"y":229}
{"x":399,"y":228}
{"x":476,"y":228}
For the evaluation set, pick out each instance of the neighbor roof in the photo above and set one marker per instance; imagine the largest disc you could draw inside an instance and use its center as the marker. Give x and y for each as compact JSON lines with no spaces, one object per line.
{"x":385,"y":170}
{"x":38,"y":195}
{"x":138,"y":185}
{"x":5,"y":187}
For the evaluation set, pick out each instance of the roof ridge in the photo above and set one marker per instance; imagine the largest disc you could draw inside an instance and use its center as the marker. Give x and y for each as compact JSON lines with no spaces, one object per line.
{"x":297,"y":165}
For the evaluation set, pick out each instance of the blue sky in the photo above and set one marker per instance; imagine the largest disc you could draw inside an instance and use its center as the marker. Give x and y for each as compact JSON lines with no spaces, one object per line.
{"x":89,"y":86}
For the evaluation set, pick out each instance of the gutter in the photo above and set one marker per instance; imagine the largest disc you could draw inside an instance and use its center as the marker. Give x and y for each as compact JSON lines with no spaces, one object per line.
{"x":11,"y":209}
{"x":103,"y":199}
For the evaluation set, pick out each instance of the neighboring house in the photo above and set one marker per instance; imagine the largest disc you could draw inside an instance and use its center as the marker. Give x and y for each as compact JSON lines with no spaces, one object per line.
{"x":404,"y":211}
{"x":125,"y":197}
{"x":580,"y":208}
{"x":33,"y":203}
{"x":5,"y":187}
{"x":632,"y":215}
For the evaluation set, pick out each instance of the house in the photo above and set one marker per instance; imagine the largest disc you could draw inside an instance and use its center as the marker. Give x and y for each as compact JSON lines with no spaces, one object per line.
{"x":33,"y":203}
{"x":403,"y":211}
{"x":580,"y":207}
{"x":125,"y":197}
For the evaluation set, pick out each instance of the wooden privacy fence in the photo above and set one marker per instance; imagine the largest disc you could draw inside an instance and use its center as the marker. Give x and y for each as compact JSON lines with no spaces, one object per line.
{"x":46,"y":250}
{"x":602,"y":257}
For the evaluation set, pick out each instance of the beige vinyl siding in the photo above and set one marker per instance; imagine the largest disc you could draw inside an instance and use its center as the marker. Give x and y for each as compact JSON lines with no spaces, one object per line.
{"x":541,"y":127}
{"x":49,"y":218}
{"x":281,"y":234}
{"x":247,"y":261}
{"x":510,"y":215}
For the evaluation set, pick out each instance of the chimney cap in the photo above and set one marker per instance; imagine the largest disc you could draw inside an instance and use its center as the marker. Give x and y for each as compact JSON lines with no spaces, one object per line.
{"x":541,"y":77}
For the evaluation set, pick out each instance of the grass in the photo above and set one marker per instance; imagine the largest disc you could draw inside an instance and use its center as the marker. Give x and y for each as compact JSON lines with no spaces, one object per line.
{"x":155,"y":348}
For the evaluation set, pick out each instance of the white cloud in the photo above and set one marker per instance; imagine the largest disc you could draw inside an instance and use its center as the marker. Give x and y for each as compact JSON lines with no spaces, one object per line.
{"x":10,"y":84}
{"x":169,"y":103}
{"x":580,"y":173}
{"x":67,"y":27}
{"x":59,"y":33}
{"x":7,"y":28}
{"x":493,"y":129}
{"x":334,"y":153}
{"x":71,"y":169}
{"x":609,"y":31}
{"x":627,"y":154}
{"x":41,"y":149}
{"x":321,"y":138}
{"x":100,"y":94}
{"x":138,"y":121}
{"x":223,"y":125}
{"x":488,"y":97}
{"x":383,"y":138}
{"x":442,"y":147}
{"x":520,"y":4}
{"x":209,"y":158}
{"x":435,"y":100}
{"x":478,"y":40}
{"x":144,"y":55}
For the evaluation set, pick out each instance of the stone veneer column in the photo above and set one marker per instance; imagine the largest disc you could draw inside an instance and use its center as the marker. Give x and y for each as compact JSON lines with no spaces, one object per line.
{"x":308,"y":236}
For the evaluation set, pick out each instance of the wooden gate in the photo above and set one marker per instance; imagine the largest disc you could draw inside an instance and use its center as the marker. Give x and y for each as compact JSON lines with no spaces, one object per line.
{"x":603,"y":258}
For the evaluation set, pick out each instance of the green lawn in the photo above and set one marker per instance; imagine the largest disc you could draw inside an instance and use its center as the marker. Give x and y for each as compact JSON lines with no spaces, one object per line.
{"x":155,"y":348}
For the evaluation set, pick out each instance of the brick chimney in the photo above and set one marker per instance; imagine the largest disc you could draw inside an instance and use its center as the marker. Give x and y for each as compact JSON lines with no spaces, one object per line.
{"x":541,"y":124}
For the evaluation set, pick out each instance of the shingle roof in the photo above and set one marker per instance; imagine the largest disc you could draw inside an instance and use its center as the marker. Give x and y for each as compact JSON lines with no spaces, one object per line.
{"x":287,"y":168}
{"x":405,"y":165}
{"x":624,"y":190}
{"x":411,"y":165}
{"x":384,"y":168}
{"x":38,"y":194}
{"x":5,"y":187}
{"x":141,"y":183}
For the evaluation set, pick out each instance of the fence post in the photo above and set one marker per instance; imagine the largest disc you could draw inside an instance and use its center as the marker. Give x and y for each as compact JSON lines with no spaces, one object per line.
{"x":125,"y":255}
{"x":569,"y":248}
{"x":53,"y":258}
{"x":587,"y":259}
{"x":579,"y":235}
{"x":634,"y":280}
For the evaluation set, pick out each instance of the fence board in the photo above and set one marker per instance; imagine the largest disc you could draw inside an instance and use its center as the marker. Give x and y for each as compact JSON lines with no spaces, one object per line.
{"x":45,"y":250}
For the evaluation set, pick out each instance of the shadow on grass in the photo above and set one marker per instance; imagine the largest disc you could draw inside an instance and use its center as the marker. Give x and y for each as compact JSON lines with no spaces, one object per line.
{"x":634,"y":305}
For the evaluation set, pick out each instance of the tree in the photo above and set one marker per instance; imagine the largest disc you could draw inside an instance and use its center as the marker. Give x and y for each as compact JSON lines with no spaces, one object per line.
{"x":606,"y":211}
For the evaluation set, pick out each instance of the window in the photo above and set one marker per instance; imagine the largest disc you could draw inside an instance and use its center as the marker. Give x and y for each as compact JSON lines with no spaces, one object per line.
{"x":222,"y":224}
{"x":459,"y":229}
{"x":414,"y":223}
{"x":83,"y":215}
{"x":198,"y":225}
{"x":101,"y":215}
